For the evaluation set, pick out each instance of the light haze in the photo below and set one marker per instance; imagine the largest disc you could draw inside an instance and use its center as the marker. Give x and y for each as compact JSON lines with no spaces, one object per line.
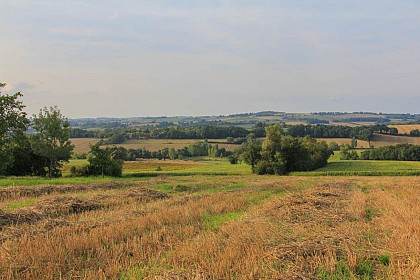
{"x":140,"y":58}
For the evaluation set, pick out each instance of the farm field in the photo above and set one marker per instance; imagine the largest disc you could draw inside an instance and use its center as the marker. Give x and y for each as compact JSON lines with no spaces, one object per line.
{"x":345,"y":141}
{"x":406,"y":128}
{"x":380,"y":140}
{"x":211,"y":166}
{"x":159,"y":144}
{"x":200,"y":227}
{"x":81,"y":145}
{"x":154,"y":167}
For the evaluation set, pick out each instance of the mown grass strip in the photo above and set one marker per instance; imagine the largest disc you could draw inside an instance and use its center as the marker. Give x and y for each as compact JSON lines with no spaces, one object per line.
{"x":21,"y":204}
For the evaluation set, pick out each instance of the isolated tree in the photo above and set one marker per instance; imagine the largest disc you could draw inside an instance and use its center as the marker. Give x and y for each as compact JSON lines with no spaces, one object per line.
{"x":13,"y":124}
{"x":51,"y":138}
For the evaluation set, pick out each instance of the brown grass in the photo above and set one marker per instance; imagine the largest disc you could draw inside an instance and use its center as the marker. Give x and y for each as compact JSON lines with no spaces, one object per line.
{"x":285,"y":228}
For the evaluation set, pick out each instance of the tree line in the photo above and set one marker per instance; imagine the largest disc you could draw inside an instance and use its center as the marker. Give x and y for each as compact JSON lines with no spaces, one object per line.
{"x":120,"y":135}
{"x":405,"y":152}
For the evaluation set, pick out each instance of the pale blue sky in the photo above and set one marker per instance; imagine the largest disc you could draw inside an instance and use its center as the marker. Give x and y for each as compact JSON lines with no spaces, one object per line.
{"x":136,"y":58}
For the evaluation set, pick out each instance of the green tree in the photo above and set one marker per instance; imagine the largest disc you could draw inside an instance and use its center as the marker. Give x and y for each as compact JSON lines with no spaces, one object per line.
{"x":251,"y":151}
{"x":272,"y":142}
{"x":104,"y":161}
{"x":51,"y":138}
{"x":271,"y":162}
{"x":13,"y":124}
{"x":172,"y":154}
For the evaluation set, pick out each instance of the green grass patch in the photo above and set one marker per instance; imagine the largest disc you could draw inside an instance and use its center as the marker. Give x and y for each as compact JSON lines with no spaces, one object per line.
{"x":370,"y":213}
{"x":365,"y":269}
{"x":213,"y":222}
{"x":341,"y":271}
{"x":362,"y":188}
{"x":21,"y":204}
{"x":385,"y":259}
{"x":133,"y":273}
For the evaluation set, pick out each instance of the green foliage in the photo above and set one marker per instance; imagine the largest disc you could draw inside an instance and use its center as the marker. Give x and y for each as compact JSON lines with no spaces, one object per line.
{"x":283,"y":154}
{"x":370,"y":213}
{"x":365,"y":269}
{"x":341,"y":271}
{"x":415,"y":133}
{"x":105,"y":161}
{"x":79,"y":171}
{"x":251,"y":151}
{"x":51,"y":138}
{"x":403,"y":152}
{"x":385,"y":259}
{"x":13,"y":124}
{"x":347,"y":154}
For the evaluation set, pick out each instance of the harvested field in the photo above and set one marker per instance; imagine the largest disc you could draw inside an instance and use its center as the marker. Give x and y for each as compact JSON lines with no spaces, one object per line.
{"x":159,"y":144}
{"x":235,"y":227}
{"x":81,"y":145}
{"x":380,"y":140}
{"x":345,"y":141}
{"x":406,"y":128}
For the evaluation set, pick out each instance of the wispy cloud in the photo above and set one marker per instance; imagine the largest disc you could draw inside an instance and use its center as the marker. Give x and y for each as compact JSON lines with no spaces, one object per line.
{"x":195,"y":57}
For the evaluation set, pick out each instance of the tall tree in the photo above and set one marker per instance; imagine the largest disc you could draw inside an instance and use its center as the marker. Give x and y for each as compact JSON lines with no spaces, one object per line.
{"x":13,"y":124}
{"x":51,"y":138}
{"x":251,"y":151}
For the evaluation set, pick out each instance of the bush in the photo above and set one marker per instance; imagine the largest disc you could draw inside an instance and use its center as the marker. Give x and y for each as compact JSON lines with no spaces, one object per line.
{"x":232,"y":159}
{"x":79,"y":171}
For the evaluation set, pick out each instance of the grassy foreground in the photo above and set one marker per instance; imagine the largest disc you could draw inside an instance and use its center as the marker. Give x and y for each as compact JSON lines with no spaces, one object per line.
{"x":213,"y":227}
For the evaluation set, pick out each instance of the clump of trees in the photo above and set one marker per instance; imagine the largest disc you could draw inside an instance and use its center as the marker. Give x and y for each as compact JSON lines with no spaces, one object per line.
{"x":39,"y":153}
{"x":279,"y":154}
{"x":346,"y":153}
{"x":200,"y":148}
{"x":404,"y":152}
{"x":103,"y":162}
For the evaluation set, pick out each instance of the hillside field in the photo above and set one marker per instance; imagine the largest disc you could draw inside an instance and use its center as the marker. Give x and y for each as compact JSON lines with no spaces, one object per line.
{"x":81,"y":145}
{"x":406,"y":128}
{"x":380,"y":140}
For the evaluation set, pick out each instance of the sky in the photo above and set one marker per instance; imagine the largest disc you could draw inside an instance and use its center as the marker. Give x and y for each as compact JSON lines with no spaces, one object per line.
{"x":101,"y":58}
